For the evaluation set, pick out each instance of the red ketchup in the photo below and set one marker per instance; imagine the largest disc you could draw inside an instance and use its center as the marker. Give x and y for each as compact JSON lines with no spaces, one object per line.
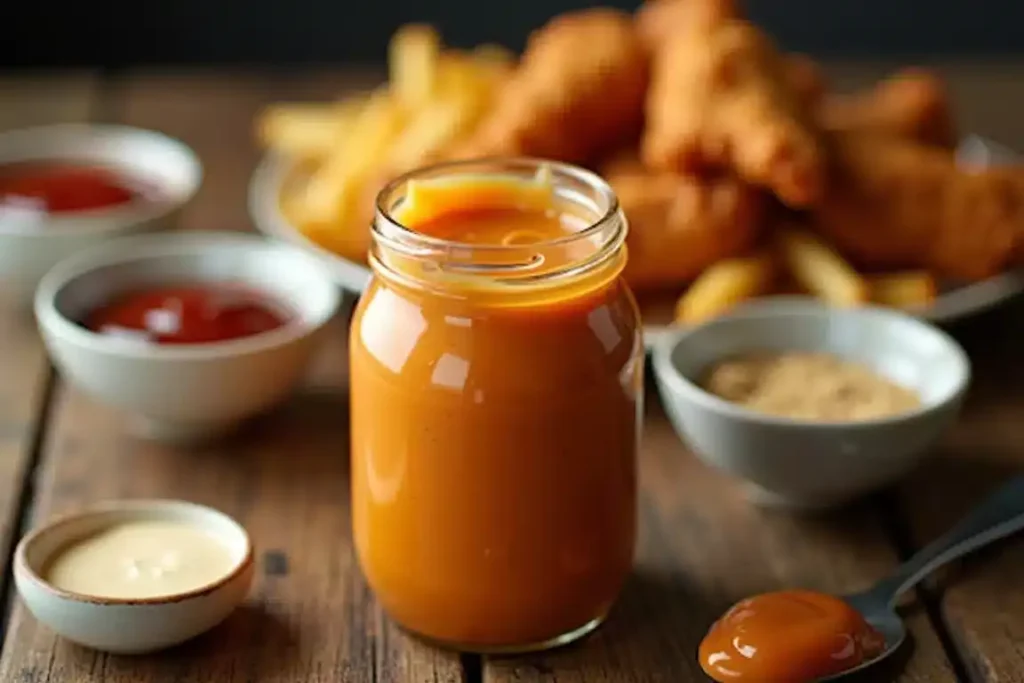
{"x":59,"y":187}
{"x":191,"y":314}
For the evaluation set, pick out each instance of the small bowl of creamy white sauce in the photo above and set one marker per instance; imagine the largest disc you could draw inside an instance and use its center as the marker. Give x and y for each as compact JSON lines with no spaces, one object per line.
{"x":136,"y":576}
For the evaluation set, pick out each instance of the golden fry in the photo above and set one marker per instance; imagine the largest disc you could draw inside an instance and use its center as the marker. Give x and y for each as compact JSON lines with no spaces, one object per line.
{"x":349,"y":241}
{"x":433,"y":128}
{"x":724,"y":285}
{"x":335,"y":186}
{"x":820,"y":269}
{"x":495,"y":59}
{"x":468,"y":77}
{"x":306,"y":130}
{"x":904,"y":290}
{"x":413,"y":56}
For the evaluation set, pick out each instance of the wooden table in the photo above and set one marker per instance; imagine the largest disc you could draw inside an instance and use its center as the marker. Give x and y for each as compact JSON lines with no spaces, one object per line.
{"x":311,"y":617}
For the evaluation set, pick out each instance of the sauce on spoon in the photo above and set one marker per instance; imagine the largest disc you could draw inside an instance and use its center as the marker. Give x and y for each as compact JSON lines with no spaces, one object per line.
{"x":793,"y":636}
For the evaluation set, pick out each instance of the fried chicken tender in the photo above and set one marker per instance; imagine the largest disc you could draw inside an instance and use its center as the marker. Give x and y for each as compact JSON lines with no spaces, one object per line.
{"x":897,"y":203}
{"x":721,"y":98}
{"x":680,"y":225}
{"x":578,"y":91}
{"x":806,"y":79}
{"x":658,"y":21}
{"x":911,"y":103}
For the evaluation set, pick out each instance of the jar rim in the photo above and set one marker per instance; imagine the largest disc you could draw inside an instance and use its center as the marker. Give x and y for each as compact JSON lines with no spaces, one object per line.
{"x":609,"y":210}
{"x":443,"y":261}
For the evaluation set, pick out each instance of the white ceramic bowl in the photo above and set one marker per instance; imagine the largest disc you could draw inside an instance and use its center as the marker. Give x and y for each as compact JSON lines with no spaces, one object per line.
{"x":122,"y":625}
{"x":802,"y":463}
{"x":189,"y":391}
{"x":28,"y":248}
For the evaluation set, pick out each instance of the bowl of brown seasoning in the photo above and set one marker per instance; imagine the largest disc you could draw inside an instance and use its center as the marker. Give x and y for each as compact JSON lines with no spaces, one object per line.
{"x":811,"y":406}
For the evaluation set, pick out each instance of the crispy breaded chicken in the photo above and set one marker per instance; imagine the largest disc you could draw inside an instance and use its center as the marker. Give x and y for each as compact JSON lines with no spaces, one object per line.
{"x":806,"y":79}
{"x":911,"y":103}
{"x":659,"y":20}
{"x":680,"y":225}
{"x":721,"y":98}
{"x":577,"y":93}
{"x":896,"y":203}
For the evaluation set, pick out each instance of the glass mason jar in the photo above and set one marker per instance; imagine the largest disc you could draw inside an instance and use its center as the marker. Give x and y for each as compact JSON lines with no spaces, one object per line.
{"x":496,"y":397}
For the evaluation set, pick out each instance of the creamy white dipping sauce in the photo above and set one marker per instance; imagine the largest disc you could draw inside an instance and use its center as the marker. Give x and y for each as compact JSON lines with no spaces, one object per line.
{"x":141,"y":559}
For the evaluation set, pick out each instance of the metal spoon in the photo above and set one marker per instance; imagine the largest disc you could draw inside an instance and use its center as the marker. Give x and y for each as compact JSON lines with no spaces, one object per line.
{"x":1000,"y":515}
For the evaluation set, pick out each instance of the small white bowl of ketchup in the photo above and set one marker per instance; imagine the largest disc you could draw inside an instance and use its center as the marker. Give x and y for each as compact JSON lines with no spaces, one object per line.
{"x":190,"y":333}
{"x":68,"y":187}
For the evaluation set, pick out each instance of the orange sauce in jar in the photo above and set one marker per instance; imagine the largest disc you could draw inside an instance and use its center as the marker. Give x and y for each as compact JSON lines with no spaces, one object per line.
{"x":496,"y":388}
{"x":794,"y":636}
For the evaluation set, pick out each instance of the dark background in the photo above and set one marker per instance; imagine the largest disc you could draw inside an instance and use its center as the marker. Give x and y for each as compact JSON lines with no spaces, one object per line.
{"x":117,"y":34}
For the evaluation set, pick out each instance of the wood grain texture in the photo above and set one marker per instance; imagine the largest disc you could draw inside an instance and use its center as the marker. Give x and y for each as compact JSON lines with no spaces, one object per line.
{"x":703,"y":547}
{"x":212,"y":113}
{"x":982,"y":597}
{"x":310,"y":617}
{"x":24,"y":370}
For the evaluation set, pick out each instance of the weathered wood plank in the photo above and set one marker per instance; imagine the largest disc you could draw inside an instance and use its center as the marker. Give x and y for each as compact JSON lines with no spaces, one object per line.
{"x":982,"y":604}
{"x":703,"y":547}
{"x":211,"y":111}
{"x":24,"y":371}
{"x":311,"y":617}
{"x":982,"y":598}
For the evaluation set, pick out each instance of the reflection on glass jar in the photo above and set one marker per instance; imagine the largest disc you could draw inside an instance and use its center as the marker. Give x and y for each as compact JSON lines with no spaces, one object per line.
{"x":496,"y":396}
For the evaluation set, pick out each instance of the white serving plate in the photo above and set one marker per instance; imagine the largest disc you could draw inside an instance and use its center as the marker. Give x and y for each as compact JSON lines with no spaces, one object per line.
{"x":956,"y":300}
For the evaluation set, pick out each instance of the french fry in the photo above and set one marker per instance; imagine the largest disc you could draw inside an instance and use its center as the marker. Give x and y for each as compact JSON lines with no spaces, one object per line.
{"x":434,"y":97}
{"x":413,"y":56}
{"x":348,"y":240}
{"x":433,"y":128}
{"x":292,"y":206}
{"x":904,"y":290}
{"x":819,"y":269}
{"x":495,"y":60}
{"x":494,"y":55}
{"x":335,"y":187}
{"x":306,"y":130}
{"x":724,"y":285}
{"x":459,"y":76}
